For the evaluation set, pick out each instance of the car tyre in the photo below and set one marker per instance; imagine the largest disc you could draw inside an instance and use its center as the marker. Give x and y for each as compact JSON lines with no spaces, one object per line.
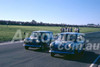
{"x":26,"y":47}
{"x":76,"y":52}
{"x":42,"y":47}
{"x":52,"y":54}
{"x":82,"y":52}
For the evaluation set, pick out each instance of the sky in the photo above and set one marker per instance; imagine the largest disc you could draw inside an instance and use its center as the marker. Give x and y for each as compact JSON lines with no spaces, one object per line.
{"x":51,"y":11}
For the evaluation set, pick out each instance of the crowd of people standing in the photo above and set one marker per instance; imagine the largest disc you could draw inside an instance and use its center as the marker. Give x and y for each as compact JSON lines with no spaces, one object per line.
{"x":70,"y":29}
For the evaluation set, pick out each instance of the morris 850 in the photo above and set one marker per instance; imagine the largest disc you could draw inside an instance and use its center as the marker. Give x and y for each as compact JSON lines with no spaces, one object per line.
{"x":68,"y":43}
{"x":39,"y":39}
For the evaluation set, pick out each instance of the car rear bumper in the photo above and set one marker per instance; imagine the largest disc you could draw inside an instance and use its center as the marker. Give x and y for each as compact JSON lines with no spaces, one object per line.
{"x":60,"y":52}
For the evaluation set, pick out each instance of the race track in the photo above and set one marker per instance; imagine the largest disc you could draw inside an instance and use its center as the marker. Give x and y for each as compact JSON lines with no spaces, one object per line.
{"x":14,"y":55}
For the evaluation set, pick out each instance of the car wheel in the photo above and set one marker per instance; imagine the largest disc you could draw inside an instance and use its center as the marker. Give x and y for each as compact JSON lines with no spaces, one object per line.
{"x":52,"y":54}
{"x":42,"y":47}
{"x":76,"y":52}
{"x":82,"y":52}
{"x":26,"y":47}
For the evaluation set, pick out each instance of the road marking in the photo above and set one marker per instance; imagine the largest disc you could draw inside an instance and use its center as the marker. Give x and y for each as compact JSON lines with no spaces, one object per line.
{"x":6,"y":43}
{"x":95,"y":61}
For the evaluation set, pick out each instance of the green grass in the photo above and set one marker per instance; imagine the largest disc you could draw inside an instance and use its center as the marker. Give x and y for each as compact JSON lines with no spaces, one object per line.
{"x":7,"y":32}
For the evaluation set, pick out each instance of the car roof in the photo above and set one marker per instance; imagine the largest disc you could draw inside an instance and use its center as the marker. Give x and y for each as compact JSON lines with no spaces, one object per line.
{"x":43,"y":31}
{"x":72,"y":33}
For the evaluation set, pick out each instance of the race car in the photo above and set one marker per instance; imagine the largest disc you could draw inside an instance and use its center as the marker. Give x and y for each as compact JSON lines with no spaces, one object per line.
{"x":39,"y":39}
{"x":68,"y":43}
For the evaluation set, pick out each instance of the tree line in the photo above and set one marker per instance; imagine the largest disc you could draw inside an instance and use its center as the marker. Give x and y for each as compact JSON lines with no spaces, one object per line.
{"x":35,"y":23}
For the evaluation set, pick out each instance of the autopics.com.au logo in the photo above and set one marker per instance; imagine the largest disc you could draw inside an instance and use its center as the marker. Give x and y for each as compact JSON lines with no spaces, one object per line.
{"x":87,"y":45}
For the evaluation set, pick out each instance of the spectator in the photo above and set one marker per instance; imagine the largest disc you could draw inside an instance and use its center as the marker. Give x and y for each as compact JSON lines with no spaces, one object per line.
{"x":71,"y":29}
{"x":78,"y":30}
{"x":68,"y":29}
{"x":24,"y":33}
{"x":75,"y":30}
{"x":62,"y":29}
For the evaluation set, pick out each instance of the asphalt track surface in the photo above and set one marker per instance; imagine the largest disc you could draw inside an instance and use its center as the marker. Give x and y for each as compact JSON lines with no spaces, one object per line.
{"x":14,"y":55}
